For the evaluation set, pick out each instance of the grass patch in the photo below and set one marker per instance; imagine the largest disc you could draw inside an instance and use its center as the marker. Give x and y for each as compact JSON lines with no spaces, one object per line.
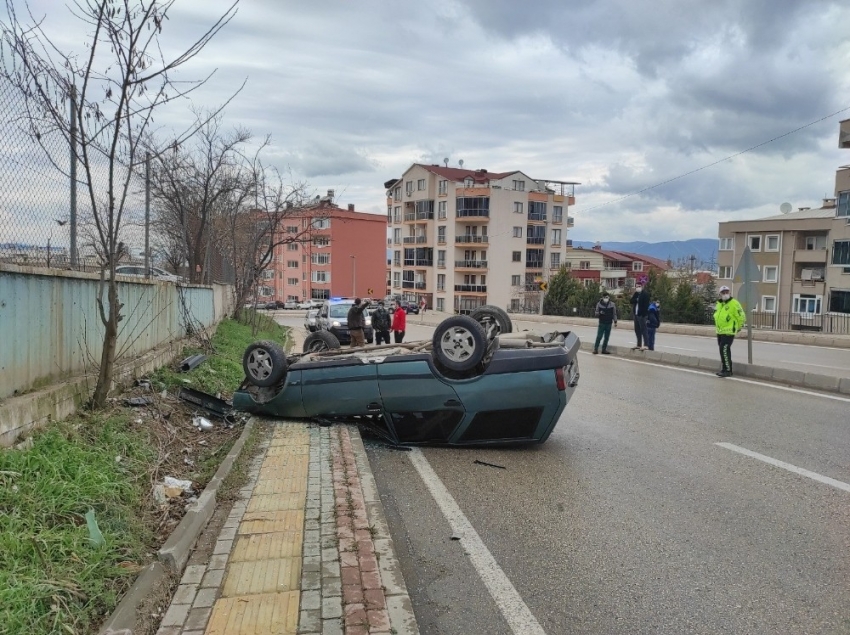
{"x":52,"y":579}
{"x":222,"y":372}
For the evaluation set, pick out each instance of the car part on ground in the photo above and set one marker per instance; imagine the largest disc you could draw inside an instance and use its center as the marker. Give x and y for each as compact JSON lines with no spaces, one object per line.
{"x":320,"y":341}
{"x":191,"y":362}
{"x":264,"y":363}
{"x":495,"y":320}
{"x":459,"y":343}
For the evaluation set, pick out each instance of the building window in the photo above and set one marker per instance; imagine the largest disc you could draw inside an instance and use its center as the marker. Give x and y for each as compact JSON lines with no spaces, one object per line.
{"x":754,"y":242}
{"x":517,"y":208}
{"x":292,"y":281}
{"x":397,"y":214}
{"x":724,"y":273}
{"x":420,"y":184}
{"x":725,"y":244}
{"x":517,"y":232}
{"x":397,"y":235}
{"x":807,"y":303}
{"x":843,"y":206}
{"x":293,"y":264}
{"x":514,"y":304}
{"x":396,"y":279}
{"x":637,"y":266}
{"x":292,"y":246}
{"x":841,"y":252}
{"x":516,"y":281}
{"x":556,"y":237}
{"x":268,"y":275}
{"x":443,"y":186}
{"x":557,"y":214}
{"x":815,"y":242}
{"x":320,"y":276}
{"x":397,"y":193}
{"x":321,"y":241}
{"x":441,"y":209}
{"x":770,"y":274}
{"x":441,"y":258}
{"x":320,"y":259}
{"x":519,"y":185}
{"x":771,"y":242}
{"x":408,"y":187}
{"x":397,"y":258}
{"x":839,"y":301}
{"x":321,"y":223}
{"x":441,"y":234}
{"x":467,"y":182}
{"x":441,"y":282}
{"x":768,"y":304}
{"x":265,"y":291}
{"x":292,"y":229}
{"x":516,"y":256}
{"x":536,"y":210}
{"x":441,"y":304}
{"x":556,"y":260}
{"x":584,"y":264}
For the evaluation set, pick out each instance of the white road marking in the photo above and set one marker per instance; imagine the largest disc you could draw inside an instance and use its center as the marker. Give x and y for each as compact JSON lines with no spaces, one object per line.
{"x":787,"y":466}
{"x":679,"y":369}
{"x":784,"y":361}
{"x":510,"y":604}
{"x":676,"y":348}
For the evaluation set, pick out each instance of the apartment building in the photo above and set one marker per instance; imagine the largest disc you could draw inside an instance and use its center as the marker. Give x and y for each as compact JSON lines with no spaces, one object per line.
{"x":614,"y":270}
{"x":463,"y":238}
{"x":328,"y":251}
{"x":803,"y":256}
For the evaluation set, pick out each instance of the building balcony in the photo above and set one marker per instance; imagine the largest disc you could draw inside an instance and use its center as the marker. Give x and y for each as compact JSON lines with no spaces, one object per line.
{"x":536,"y":240}
{"x":441,"y":264}
{"x":471,"y":288}
{"x":418,"y":216}
{"x":411,"y":284}
{"x":470,"y":264}
{"x":441,"y":240}
{"x":418,"y":262}
{"x":810,"y":287}
{"x":557,"y":220}
{"x":473,"y":214}
{"x":466,"y":239}
{"x":614,"y":273}
{"x":818,"y":256}
{"x":540,"y":218}
{"x":415,"y":240}
{"x":533,"y":264}
{"x":555,"y":266}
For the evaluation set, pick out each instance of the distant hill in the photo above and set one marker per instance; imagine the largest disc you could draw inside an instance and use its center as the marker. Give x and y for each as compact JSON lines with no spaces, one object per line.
{"x":705,"y":249}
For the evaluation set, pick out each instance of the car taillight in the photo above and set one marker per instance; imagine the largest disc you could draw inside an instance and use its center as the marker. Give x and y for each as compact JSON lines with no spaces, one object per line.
{"x":559,"y":379}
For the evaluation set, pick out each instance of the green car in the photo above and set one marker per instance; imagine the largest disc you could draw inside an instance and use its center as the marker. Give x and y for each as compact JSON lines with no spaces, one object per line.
{"x":474,"y":383}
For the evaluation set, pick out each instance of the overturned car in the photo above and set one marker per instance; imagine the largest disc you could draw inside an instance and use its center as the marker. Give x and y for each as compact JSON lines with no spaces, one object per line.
{"x":475,"y":382}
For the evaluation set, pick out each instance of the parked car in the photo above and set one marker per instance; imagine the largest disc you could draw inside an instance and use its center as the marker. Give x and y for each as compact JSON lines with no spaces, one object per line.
{"x":310,"y":320}
{"x":333,"y":317}
{"x":271,"y":306}
{"x":139,"y":271}
{"x":409,"y":307}
{"x":474,"y":383}
{"x":290,"y":304}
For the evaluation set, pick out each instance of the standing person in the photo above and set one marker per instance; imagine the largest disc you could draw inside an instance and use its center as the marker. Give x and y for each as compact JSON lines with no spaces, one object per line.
{"x":606,"y":311}
{"x":399,"y":322}
{"x":422,"y":306}
{"x":640,"y":309}
{"x":653,"y":321}
{"x":356,"y":322}
{"x":729,"y":318}
{"x":381,"y":324}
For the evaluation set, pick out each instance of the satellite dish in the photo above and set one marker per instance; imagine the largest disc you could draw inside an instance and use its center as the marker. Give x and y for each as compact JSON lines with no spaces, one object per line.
{"x":785,"y":208}
{"x":446,"y":161}
{"x":460,"y":163}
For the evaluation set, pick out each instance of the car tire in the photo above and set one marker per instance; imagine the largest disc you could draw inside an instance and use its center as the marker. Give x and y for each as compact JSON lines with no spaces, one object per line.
{"x":489,"y":315}
{"x":459,"y":343}
{"x":264,"y":364}
{"x":320,"y":341}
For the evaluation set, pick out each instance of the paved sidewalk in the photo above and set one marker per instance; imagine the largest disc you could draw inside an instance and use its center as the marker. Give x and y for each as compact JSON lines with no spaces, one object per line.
{"x":305,"y":550}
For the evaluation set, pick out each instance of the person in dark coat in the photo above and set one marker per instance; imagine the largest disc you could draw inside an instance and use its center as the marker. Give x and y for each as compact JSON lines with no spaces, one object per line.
{"x":381,"y":324}
{"x":640,"y":311}
{"x":606,"y":311}
{"x":653,"y":321}
{"x":356,"y":322}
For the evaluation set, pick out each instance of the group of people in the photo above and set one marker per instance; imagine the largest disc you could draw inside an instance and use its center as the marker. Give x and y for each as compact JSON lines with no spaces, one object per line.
{"x":729,"y":319}
{"x":382,"y":323}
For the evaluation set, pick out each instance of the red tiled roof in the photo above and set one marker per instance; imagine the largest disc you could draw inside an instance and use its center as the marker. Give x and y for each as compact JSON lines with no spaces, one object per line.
{"x":655,"y":262}
{"x":460,"y":174}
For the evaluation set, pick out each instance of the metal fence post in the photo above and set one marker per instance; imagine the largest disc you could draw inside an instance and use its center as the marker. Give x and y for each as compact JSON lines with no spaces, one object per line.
{"x":147,"y":214}
{"x":73,"y":210}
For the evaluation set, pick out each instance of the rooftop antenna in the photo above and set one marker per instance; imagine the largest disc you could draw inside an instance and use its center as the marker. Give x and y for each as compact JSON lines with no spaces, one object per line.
{"x":446,"y":161}
{"x":460,"y":162}
{"x":785,"y":208}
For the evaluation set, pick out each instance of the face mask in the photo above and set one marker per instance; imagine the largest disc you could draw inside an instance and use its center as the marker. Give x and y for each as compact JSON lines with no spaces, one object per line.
{"x":725,"y":296}
{"x":638,"y":289}
{"x":605,"y":300}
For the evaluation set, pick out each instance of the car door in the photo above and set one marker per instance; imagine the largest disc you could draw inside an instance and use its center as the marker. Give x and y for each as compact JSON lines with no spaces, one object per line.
{"x":340,"y":388}
{"x":419,"y":406}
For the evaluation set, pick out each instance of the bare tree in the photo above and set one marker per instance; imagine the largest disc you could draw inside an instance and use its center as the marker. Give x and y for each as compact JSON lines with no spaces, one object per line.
{"x":114,"y":89}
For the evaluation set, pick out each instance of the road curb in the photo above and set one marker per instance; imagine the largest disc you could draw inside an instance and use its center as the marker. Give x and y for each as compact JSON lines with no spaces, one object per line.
{"x":814,"y":381}
{"x":174,"y":554}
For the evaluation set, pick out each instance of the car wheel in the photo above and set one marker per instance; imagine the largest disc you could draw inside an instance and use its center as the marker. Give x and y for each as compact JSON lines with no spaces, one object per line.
{"x":264,"y":363}
{"x":459,"y":343}
{"x":494,"y":320}
{"x":320,"y":341}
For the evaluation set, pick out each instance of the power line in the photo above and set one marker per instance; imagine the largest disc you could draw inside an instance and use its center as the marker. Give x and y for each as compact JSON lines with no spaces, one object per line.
{"x":731,"y":156}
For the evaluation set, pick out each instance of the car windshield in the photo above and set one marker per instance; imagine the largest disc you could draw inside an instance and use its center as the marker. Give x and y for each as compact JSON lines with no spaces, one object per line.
{"x":341,"y":311}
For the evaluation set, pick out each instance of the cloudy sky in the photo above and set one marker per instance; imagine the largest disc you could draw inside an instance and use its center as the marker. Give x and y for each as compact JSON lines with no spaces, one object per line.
{"x":619,"y":95}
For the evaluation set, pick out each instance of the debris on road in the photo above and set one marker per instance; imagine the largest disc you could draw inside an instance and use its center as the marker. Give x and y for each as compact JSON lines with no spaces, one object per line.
{"x":501,"y":467}
{"x":202,"y":423}
{"x":138,"y":402}
{"x":191,"y":362}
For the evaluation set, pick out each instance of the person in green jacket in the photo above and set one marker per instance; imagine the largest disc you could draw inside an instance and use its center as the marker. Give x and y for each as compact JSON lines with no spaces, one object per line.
{"x":729,"y":318}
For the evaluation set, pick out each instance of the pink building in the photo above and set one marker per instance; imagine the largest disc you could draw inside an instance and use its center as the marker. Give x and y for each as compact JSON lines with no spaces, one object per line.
{"x":335,"y":252}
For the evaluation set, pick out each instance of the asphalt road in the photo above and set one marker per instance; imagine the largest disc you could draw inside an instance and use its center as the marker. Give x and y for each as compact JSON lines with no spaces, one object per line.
{"x":631,"y":518}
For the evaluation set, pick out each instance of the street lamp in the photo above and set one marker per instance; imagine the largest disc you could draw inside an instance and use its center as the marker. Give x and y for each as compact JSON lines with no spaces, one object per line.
{"x":353,"y":276}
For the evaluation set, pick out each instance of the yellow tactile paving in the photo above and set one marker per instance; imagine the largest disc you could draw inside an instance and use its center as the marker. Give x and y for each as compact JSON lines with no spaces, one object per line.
{"x":289,"y":447}
{"x":281,"y":544}
{"x":301,"y":461}
{"x":267,"y":613}
{"x":274,"y":486}
{"x":291,"y":470}
{"x":269,"y":522}
{"x":276,"y":502}
{"x":264,"y":576}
